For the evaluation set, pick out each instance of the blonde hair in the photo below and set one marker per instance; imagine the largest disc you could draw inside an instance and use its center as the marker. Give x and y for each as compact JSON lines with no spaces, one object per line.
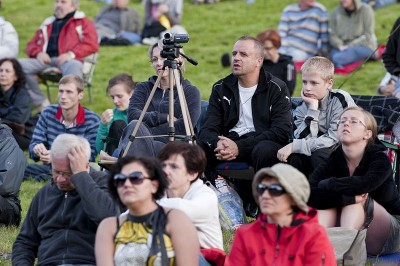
{"x":319,"y":65}
{"x":370,"y":122}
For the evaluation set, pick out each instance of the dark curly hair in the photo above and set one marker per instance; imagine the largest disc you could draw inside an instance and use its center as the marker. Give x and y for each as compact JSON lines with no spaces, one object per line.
{"x":21,"y":79}
{"x":153,"y":168}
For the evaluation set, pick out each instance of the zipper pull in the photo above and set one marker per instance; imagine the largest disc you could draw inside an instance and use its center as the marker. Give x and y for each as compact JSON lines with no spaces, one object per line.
{"x":66,"y":195}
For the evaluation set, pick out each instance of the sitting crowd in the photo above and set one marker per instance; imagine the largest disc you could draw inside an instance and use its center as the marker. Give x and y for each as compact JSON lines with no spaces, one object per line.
{"x":318,"y":164}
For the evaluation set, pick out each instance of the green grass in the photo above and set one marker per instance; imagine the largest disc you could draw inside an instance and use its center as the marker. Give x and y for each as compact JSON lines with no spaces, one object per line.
{"x":213,"y":29}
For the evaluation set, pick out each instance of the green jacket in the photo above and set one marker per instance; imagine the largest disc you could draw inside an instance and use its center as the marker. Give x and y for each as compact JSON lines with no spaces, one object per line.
{"x":103,"y":129}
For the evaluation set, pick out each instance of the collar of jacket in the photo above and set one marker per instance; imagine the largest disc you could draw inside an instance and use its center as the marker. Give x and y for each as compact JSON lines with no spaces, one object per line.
{"x":264,"y":80}
{"x":78,"y":15}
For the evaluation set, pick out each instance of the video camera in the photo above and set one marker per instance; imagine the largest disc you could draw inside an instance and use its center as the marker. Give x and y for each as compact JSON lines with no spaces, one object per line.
{"x":171,"y":38}
{"x":171,"y":44}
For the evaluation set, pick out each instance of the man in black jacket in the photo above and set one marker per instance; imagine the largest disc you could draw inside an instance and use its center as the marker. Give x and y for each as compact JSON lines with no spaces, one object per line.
{"x":12,"y":163}
{"x":391,"y":56}
{"x":249,"y":113}
{"x":62,"y":220}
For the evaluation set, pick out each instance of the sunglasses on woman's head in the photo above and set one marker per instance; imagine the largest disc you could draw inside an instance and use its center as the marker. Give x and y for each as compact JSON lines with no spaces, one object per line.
{"x":136,"y":178}
{"x":274,"y":190}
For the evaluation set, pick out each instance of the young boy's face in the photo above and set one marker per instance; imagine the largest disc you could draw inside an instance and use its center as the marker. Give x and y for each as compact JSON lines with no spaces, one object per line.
{"x":314,"y":86}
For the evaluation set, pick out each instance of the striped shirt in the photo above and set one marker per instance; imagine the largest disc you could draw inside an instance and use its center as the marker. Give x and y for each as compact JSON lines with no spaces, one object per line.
{"x":50,"y":125}
{"x":306,"y":30}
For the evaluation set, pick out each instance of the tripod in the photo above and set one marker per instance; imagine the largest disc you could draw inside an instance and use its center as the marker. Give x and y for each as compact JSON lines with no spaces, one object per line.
{"x":173,"y":79}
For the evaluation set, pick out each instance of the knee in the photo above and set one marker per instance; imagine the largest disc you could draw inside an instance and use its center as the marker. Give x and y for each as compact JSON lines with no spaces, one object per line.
{"x":264,"y":154}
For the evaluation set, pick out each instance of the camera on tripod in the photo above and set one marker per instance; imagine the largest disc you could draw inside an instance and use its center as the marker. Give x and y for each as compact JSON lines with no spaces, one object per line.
{"x":171,"y":38}
{"x":171,"y":44}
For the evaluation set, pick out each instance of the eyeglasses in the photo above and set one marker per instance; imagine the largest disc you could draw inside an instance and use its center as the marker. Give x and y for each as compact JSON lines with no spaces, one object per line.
{"x":56,"y":173}
{"x":352,"y":121}
{"x":136,"y":178}
{"x":274,"y":190}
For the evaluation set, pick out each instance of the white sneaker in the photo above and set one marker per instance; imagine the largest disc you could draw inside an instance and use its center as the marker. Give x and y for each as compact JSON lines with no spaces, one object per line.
{"x":150,"y":41}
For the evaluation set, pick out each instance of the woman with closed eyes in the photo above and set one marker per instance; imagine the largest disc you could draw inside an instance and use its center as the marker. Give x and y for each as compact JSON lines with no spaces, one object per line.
{"x":357,"y":170}
{"x":147,"y":234}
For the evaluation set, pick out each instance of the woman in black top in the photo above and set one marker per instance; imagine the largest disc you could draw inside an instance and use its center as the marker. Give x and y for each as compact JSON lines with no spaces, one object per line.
{"x":356,"y":170}
{"x":14,"y":100}
{"x":279,"y":65}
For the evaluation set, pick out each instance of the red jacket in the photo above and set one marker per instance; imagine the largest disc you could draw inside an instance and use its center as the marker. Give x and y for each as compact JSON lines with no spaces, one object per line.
{"x":305,"y":242}
{"x":78,"y":36}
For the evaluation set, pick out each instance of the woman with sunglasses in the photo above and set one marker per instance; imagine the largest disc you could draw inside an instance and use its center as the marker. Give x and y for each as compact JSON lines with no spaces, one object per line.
{"x":147,"y":234}
{"x":286,"y":232}
{"x":359,"y":168}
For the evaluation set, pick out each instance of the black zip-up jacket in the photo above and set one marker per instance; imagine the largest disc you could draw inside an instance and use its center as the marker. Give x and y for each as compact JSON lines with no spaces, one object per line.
{"x":60,"y":227}
{"x":158,"y":110}
{"x":391,"y":56}
{"x":271,"y":108}
{"x":284,"y":70}
{"x":332,"y":186}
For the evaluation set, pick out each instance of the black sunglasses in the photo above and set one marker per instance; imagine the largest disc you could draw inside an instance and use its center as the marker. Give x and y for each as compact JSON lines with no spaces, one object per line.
{"x":274,"y":190}
{"x":136,"y":178}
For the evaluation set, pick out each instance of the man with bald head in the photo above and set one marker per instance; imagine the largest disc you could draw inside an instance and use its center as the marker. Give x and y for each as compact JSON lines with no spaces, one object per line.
{"x":249,"y":113}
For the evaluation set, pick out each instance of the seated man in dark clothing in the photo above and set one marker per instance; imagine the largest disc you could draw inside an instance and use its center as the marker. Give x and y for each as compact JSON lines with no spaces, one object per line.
{"x":12,"y":165}
{"x":249,"y":115}
{"x":61,"y":223}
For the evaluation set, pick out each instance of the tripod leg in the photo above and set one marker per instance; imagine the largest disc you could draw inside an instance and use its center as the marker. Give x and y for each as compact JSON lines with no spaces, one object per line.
{"x":135,"y":130}
{"x":185,"y":110}
{"x":171,"y":129}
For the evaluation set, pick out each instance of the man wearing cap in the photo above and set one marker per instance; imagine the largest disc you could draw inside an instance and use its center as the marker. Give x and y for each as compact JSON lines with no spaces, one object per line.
{"x":286,"y":227}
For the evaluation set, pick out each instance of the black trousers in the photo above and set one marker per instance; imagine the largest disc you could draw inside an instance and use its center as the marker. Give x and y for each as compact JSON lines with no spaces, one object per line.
{"x":306,"y":164}
{"x":262,"y":155}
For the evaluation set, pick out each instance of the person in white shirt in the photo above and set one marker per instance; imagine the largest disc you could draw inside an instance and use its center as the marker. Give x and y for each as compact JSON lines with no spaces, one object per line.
{"x":183,"y":164}
{"x":8,"y":40}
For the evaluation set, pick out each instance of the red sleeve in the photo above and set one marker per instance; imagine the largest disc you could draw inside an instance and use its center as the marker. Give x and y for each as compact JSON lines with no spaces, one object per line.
{"x":320,"y":249}
{"x":237,"y":256}
{"x":35,"y":45}
{"x":89,"y":44}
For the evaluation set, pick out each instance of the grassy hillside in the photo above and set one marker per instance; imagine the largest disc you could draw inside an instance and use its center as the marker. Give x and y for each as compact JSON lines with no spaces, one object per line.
{"x":213,"y":29}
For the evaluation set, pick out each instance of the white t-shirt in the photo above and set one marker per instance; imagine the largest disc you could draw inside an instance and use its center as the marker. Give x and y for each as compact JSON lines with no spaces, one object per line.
{"x":245,"y":123}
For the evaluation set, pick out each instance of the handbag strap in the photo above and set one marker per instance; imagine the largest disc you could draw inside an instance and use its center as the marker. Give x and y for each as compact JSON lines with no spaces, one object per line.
{"x":351,"y":246}
{"x":369,"y":212}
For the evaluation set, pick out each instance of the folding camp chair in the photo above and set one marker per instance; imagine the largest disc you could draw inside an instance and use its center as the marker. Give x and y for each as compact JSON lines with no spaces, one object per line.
{"x":51,"y":78}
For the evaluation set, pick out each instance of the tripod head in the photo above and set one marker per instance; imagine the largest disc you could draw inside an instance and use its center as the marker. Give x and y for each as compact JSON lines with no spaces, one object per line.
{"x":171,"y":49}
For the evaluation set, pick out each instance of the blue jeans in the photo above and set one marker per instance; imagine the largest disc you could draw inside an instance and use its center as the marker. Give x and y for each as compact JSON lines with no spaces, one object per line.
{"x":203,"y":261}
{"x":38,"y":172}
{"x":350,"y":55}
{"x":297,"y":54}
{"x":132,"y":37}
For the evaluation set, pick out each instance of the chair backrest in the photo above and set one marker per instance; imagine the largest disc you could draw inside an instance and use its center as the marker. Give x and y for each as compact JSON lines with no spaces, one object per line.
{"x":51,"y":79}
{"x":89,"y":65}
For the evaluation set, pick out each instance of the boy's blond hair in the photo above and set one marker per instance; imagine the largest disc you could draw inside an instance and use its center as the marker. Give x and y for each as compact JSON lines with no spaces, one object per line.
{"x":319,"y":65}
